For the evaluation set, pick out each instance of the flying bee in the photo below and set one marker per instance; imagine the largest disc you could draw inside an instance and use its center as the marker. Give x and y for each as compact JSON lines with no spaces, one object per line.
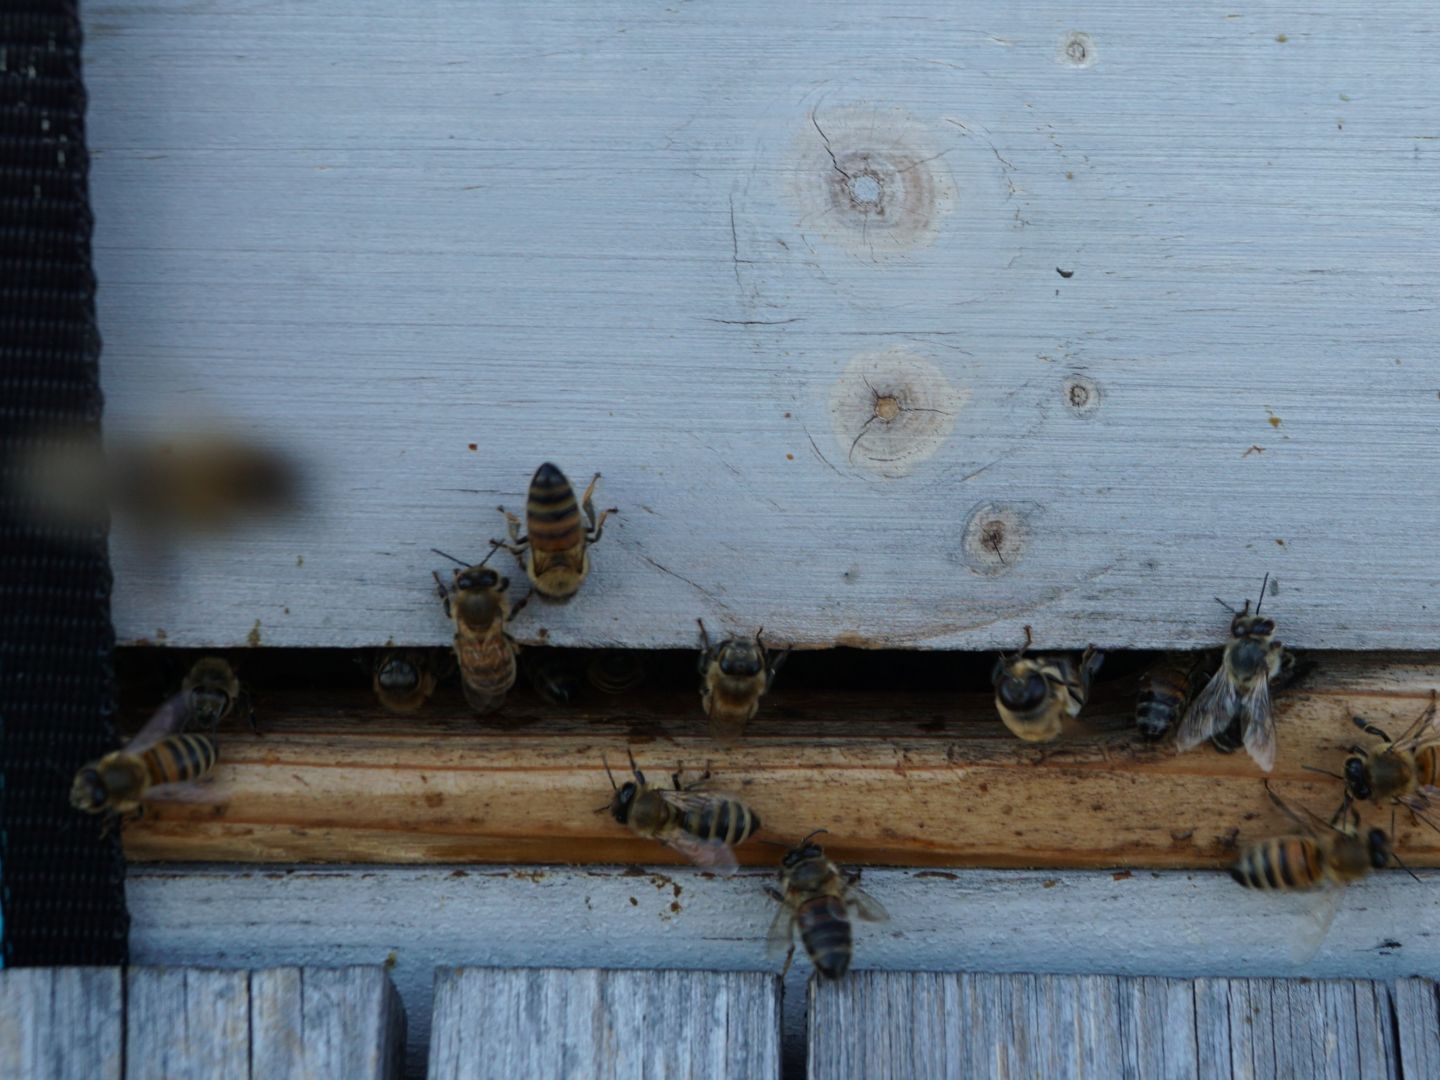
{"x":404,"y":679}
{"x":817,"y":900}
{"x":614,"y":671}
{"x":554,"y":550}
{"x":702,"y":826}
{"x":159,"y":755}
{"x":1240,"y":690}
{"x":554,"y":673}
{"x":1167,"y":689}
{"x":1403,"y":771}
{"x":734,"y":675}
{"x":476,"y":603}
{"x":212,"y":691}
{"x":1034,"y":694}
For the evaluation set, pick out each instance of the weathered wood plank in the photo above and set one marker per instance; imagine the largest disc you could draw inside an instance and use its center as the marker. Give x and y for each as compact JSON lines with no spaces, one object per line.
{"x":504,"y":1023}
{"x":1417,"y":1022}
{"x":187,"y":1023}
{"x":425,"y":255}
{"x":335,"y":781}
{"x":61,"y":1023}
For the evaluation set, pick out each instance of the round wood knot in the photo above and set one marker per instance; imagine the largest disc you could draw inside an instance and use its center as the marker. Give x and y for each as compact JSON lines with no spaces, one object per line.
{"x":892,"y":410}
{"x":996,"y":537}
{"x":1082,"y":395}
{"x":1076,"y":50}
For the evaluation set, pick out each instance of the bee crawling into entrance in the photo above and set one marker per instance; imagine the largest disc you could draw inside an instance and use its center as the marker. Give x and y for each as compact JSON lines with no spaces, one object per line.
{"x":1036,"y":694}
{"x":484,"y":650}
{"x":734,"y":676}
{"x":816,"y":901}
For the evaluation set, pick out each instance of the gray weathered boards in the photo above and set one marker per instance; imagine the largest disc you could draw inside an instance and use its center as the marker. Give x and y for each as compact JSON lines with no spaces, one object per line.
{"x":504,"y":1023}
{"x":1074,"y":317}
{"x":896,"y":1024}
{"x":198,"y":1024}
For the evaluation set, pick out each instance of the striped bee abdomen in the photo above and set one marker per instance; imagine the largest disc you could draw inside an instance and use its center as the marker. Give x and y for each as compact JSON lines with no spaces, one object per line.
{"x":727,"y":820}
{"x":825,"y":930}
{"x":1164,"y":693}
{"x":552,"y":514}
{"x":1281,"y":863}
{"x":1427,"y":766}
{"x":487,"y":668}
{"x":178,"y":758}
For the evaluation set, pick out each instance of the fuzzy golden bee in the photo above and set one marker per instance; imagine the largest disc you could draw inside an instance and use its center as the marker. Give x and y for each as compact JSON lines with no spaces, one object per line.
{"x":734,"y":675}
{"x":404,"y":679}
{"x":554,"y":550}
{"x":486,"y":654}
{"x":815,"y":901}
{"x":1167,"y":689}
{"x":212,"y":691}
{"x":161,"y":754}
{"x":1239,"y":692}
{"x":1036,"y":694}
{"x":1403,"y":771}
{"x":702,"y":826}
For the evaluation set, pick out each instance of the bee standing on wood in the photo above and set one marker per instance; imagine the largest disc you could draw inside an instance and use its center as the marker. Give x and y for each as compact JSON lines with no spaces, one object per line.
{"x":1403,"y":771}
{"x":703,"y":827}
{"x":1167,"y":689}
{"x":404,"y":679}
{"x":477,"y":605}
{"x":212,"y":690}
{"x":1240,"y":690}
{"x":817,"y":901}
{"x":734,"y":675}
{"x":1034,"y":694}
{"x":160,"y":754}
{"x":554,"y":550}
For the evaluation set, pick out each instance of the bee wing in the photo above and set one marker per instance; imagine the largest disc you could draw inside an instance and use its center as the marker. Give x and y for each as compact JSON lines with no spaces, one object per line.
{"x":866,"y":906}
{"x":1259,"y":724}
{"x":1317,"y":913}
{"x":1209,"y":714}
{"x":1426,"y":729}
{"x":782,"y":928}
{"x":169,"y":718}
{"x":710,"y":854}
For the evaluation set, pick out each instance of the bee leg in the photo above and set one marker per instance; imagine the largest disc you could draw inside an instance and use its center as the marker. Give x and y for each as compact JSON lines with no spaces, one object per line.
{"x":597,"y":529}
{"x":1089,"y":665}
{"x":250,"y":713}
{"x":521,"y":605}
{"x":775,"y":666}
{"x":512,"y":526}
{"x":442,"y":591}
{"x":704,"y":646}
{"x":789,"y":956}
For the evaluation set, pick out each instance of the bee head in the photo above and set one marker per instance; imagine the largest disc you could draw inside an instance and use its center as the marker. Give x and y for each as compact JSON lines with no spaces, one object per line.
{"x":89,"y":793}
{"x":1020,"y":692}
{"x":209,"y":702}
{"x":806,"y":849}
{"x":1246,"y":625}
{"x":1379,"y":849}
{"x":741,"y":658}
{"x":623,"y":800}
{"x":398,"y":674}
{"x":475,"y":578}
{"x":1357,"y":783}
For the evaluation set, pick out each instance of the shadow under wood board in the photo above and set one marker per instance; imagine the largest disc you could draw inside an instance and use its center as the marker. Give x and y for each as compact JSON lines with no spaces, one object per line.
{"x":923,"y":780}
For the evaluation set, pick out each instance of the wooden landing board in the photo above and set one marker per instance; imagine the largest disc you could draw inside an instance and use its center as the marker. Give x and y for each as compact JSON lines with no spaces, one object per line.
{"x":902,"y":1024}
{"x":920,"y":780}
{"x":195,"y":1024}
{"x":496,"y":1024}
{"x":903,"y":328}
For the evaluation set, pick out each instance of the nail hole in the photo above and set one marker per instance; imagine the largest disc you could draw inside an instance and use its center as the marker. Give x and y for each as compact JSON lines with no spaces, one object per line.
{"x":1077,"y":50}
{"x":1082,"y":395}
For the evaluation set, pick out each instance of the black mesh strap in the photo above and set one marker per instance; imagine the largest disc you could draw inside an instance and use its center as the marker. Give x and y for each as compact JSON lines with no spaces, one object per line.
{"x":61,"y":884}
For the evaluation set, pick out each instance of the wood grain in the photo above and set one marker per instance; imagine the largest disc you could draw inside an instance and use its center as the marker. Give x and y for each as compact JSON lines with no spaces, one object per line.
{"x":423,"y":251}
{"x":1417,"y":1024}
{"x":61,"y":1023}
{"x":913,"y":780}
{"x":614,"y":1025}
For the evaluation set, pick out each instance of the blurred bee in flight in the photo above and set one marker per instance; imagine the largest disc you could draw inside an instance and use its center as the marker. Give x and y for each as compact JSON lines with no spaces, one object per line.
{"x":816,"y":901}
{"x":702,"y":826}
{"x":1035,"y":694}
{"x":1239,"y":692}
{"x":404,"y":679}
{"x":553,"y":551}
{"x":1167,"y":689}
{"x":477,"y":606}
{"x":734,"y":675}
{"x":1403,"y":771}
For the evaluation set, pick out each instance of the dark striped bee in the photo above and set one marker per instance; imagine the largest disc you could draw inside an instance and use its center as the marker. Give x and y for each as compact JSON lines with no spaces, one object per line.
{"x":1404,"y":771}
{"x":817,"y":900}
{"x":404,"y":679}
{"x":614,"y":671}
{"x":477,"y":605}
{"x":554,"y":550}
{"x":1167,"y":689}
{"x":159,"y":755}
{"x":734,"y":675}
{"x":212,"y":690}
{"x":1239,"y":692}
{"x":554,"y":673}
{"x":1035,"y":694}
{"x":702,"y":826}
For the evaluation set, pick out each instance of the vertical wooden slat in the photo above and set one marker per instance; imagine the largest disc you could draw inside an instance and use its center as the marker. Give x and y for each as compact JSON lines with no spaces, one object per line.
{"x":61,"y":1023}
{"x":1417,"y":1020}
{"x":187,"y":1022}
{"x":325,"y":1022}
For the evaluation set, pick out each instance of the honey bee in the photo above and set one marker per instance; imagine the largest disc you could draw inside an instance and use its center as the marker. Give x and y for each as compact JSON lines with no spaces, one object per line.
{"x":702,"y":826}
{"x":1167,"y":689}
{"x":554,"y":674}
{"x":1239,"y":692}
{"x":211,"y":691}
{"x":1403,"y":771}
{"x":614,"y":671}
{"x":1035,"y":694}
{"x":817,"y":900}
{"x":554,"y":550}
{"x":404,"y":679}
{"x":160,"y":754}
{"x":484,"y":652}
{"x":734,"y":675}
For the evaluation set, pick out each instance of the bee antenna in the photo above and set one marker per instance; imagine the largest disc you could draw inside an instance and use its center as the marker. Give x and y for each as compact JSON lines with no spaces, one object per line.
{"x":1322,"y":772}
{"x":1226,"y":606}
{"x":452,"y":558}
{"x":614,"y":786}
{"x":1262,"y":592}
{"x":1402,"y":866}
{"x":633,"y":767}
{"x":812,"y":836}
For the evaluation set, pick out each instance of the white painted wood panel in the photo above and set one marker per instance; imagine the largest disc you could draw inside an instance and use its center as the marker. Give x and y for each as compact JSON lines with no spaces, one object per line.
{"x":61,"y":1023}
{"x":648,"y":239}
